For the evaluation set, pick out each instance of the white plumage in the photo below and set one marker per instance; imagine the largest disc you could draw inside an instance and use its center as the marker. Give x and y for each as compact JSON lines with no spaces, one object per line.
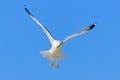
{"x":55,"y":52}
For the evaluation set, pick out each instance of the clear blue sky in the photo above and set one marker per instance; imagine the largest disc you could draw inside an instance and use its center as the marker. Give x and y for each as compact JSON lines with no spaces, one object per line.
{"x":92,"y":56}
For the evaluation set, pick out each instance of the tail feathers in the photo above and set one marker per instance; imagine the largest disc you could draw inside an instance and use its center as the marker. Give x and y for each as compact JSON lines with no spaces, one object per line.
{"x":50,"y":56}
{"x":46,"y":54}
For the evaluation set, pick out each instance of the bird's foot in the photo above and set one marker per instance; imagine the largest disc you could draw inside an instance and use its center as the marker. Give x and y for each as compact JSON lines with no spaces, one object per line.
{"x":51,"y":64}
{"x":57,"y":65}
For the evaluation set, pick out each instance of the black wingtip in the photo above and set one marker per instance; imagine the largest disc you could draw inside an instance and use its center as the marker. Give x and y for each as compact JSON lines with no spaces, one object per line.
{"x":92,"y":26}
{"x":27,"y":10}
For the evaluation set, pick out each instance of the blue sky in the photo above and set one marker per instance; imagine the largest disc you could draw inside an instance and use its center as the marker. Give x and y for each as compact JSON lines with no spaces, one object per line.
{"x":92,"y":56}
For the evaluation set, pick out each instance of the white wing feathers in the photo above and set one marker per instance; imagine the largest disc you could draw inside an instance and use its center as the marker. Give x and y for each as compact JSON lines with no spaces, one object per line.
{"x":80,"y":33}
{"x":49,"y":34}
{"x":42,"y":26}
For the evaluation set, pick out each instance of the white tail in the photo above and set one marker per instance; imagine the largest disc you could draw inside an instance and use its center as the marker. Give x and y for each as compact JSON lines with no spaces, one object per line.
{"x":46,"y":54}
{"x":50,"y":56}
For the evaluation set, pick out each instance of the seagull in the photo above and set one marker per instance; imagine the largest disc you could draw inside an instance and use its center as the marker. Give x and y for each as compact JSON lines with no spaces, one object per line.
{"x":54,"y":53}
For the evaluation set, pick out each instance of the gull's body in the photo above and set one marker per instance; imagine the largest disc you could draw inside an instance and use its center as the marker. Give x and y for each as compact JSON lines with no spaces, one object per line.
{"x":55,"y":52}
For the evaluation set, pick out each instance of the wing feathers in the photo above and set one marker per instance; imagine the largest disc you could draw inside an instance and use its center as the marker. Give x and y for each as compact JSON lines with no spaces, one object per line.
{"x":92,"y":26}
{"x":80,"y":33}
{"x":28,"y":11}
{"x":49,"y":35}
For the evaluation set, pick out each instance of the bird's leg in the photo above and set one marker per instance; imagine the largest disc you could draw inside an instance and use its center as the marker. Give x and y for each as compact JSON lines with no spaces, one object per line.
{"x":57,"y":65}
{"x":51,"y":63}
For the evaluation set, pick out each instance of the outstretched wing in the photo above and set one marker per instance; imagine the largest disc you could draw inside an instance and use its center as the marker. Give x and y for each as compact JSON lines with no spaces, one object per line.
{"x":80,"y":33}
{"x":41,"y":25}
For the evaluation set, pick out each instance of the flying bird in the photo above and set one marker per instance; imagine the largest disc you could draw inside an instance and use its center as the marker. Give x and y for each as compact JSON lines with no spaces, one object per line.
{"x":55,"y":52}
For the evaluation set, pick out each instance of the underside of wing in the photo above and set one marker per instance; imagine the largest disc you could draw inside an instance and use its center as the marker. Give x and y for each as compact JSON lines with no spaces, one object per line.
{"x":49,"y":35}
{"x":80,"y":33}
